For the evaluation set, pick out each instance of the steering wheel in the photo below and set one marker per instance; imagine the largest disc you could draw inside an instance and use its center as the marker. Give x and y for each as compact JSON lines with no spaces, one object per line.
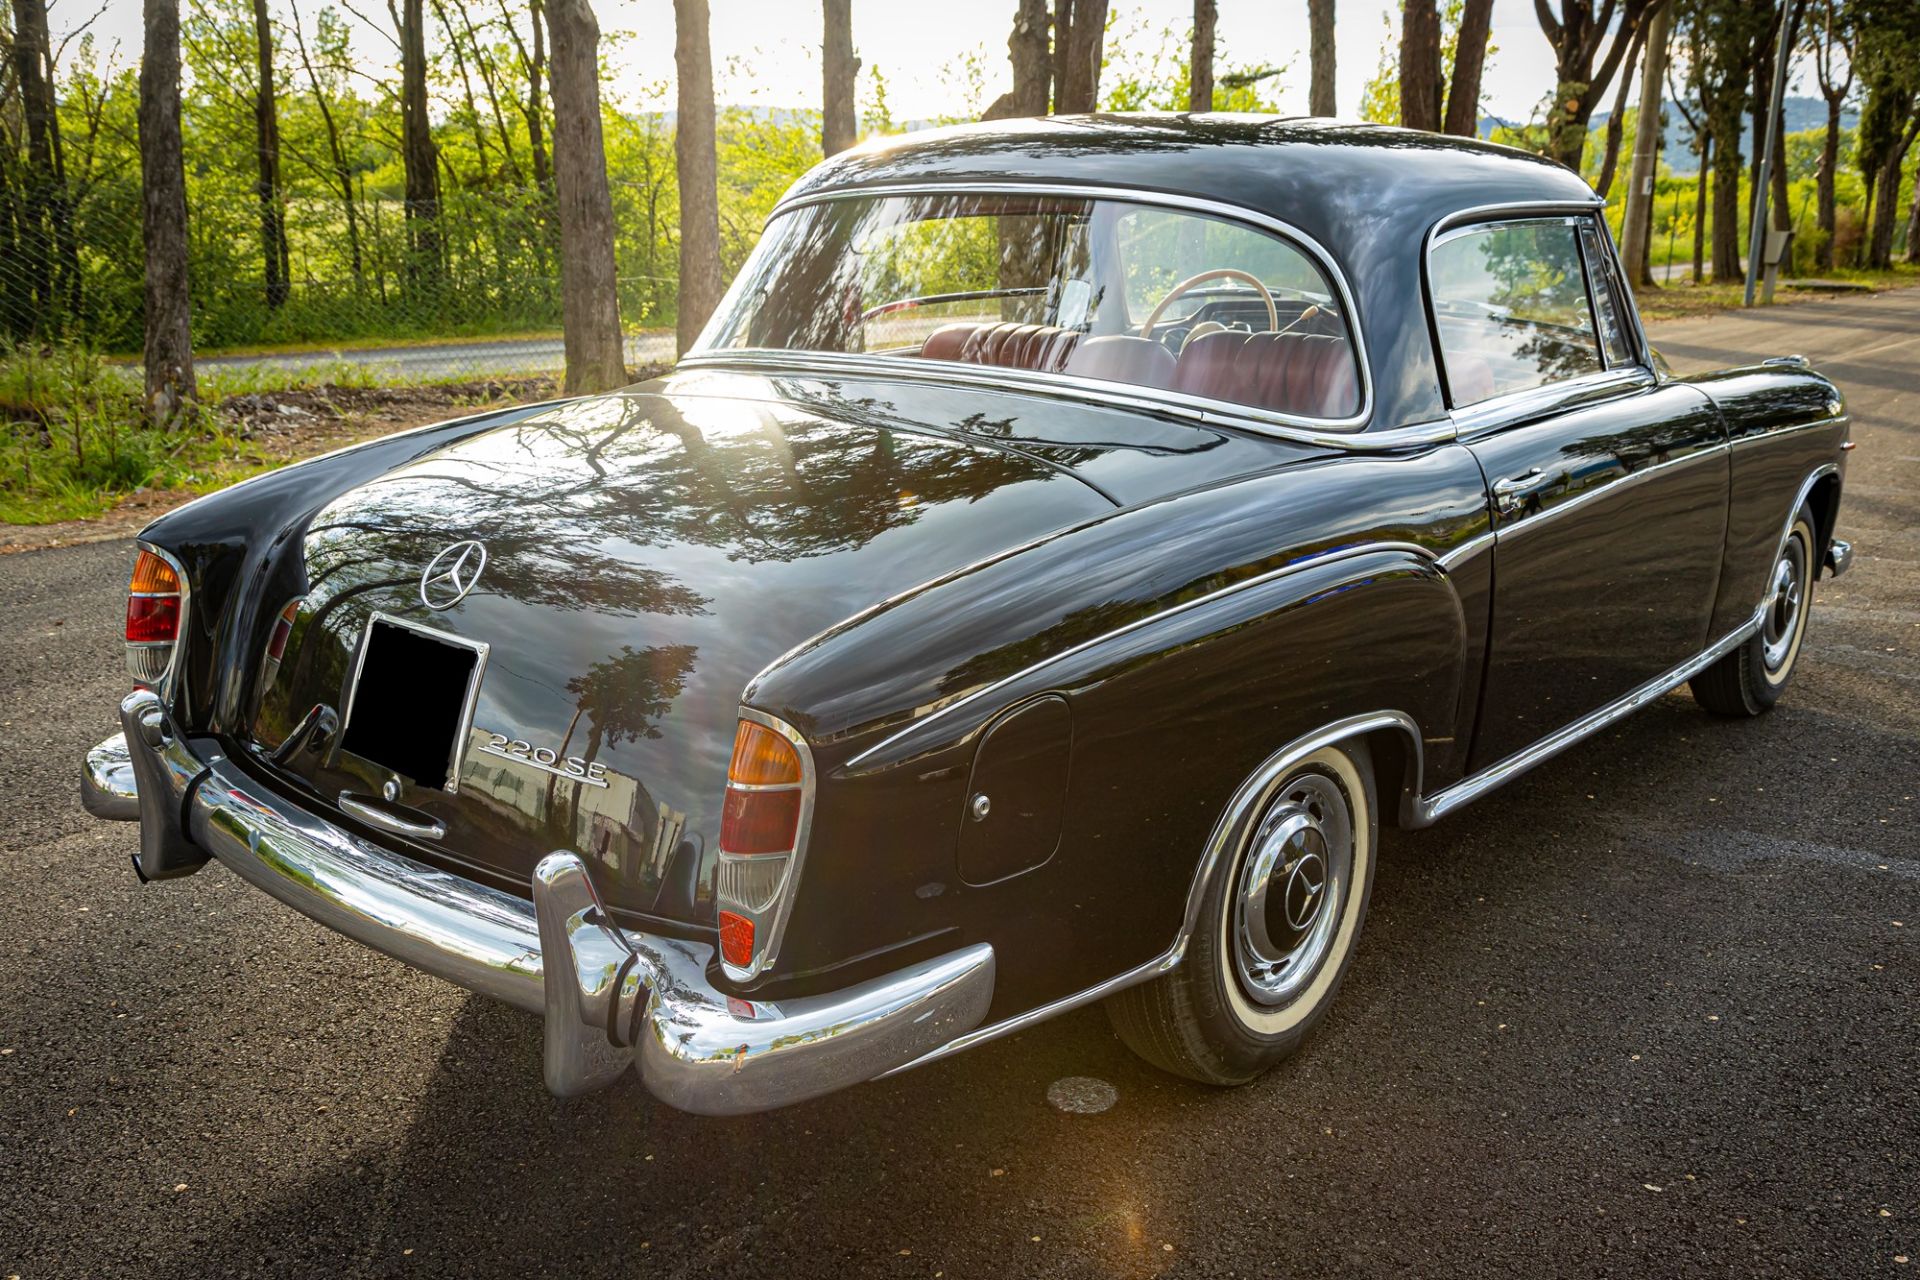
{"x":1218,"y":273}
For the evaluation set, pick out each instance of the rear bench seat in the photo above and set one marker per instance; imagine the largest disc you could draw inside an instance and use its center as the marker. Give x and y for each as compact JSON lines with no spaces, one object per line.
{"x":1299,"y":374}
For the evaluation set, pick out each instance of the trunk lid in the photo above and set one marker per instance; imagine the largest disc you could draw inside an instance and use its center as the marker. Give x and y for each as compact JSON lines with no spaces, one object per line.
{"x":646,"y":555}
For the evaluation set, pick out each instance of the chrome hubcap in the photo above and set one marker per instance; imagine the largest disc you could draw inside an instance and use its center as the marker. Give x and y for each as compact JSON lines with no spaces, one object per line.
{"x":1781,"y":622}
{"x":1292,"y":890}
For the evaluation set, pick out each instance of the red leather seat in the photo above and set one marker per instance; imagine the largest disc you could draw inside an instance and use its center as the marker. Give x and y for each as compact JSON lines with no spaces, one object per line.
{"x":1298,"y":374}
{"x":1039,"y":347}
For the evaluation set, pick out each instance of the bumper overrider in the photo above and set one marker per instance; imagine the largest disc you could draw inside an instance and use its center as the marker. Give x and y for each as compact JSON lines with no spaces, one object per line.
{"x":610,"y":997}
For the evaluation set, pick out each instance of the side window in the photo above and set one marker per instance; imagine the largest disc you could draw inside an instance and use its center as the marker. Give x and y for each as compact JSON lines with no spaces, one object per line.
{"x":1609,"y":302}
{"x":1511,"y":308}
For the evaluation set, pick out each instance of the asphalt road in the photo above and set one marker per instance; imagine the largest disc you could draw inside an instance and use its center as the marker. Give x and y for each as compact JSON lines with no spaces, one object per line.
{"x":1650,"y":1011}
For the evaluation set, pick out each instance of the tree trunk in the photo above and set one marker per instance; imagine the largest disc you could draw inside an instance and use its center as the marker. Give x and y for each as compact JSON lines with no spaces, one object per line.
{"x":1726,"y":199}
{"x":1886,"y":201}
{"x":47,"y":231}
{"x":1827,"y":214}
{"x":1420,"y":86}
{"x":1079,"y":85}
{"x":170,"y":387}
{"x":1637,"y":224}
{"x":1206,"y":16}
{"x":1469,"y":60}
{"x":589,"y":293}
{"x":536,"y":121}
{"x":266,"y":137}
{"x":1700,"y":211}
{"x":693,"y":148}
{"x":417,"y":151}
{"x":1322,"y":96}
{"x":1913,"y":226}
{"x":1616,"y":125}
{"x":1032,"y":63}
{"x":839,"y":67}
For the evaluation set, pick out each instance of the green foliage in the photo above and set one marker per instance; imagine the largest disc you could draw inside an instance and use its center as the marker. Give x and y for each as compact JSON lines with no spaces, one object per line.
{"x":1380,"y":97}
{"x":1148,"y":68}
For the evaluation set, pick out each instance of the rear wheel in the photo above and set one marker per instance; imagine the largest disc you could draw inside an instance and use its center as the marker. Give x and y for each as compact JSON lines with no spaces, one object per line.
{"x":1276,"y":932}
{"x":1752,"y":677}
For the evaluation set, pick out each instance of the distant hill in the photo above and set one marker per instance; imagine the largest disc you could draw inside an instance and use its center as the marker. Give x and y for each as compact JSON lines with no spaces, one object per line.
{"x":1799,"y":112}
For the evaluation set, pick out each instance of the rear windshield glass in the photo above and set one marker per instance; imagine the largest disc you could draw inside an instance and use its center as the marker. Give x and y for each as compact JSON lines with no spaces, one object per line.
{"x":1150,"y":297}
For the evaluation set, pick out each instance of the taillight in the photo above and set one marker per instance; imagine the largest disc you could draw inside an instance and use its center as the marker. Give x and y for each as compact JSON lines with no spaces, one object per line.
{"x":762,"y":824}
{"x":277,"y":643}
{"x":155,"y":603}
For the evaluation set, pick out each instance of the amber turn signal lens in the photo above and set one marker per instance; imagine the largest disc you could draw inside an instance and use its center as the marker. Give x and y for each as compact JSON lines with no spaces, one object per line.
{"x":153,"y":576}
{"x":762,"y":758}
{"x":736,"y":939}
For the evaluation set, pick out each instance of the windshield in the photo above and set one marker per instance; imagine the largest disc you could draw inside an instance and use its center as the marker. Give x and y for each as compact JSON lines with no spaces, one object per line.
{"x":1157,"y":298}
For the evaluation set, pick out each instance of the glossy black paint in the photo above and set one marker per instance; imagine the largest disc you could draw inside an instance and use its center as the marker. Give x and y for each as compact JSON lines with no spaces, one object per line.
{"x":892,"y":565}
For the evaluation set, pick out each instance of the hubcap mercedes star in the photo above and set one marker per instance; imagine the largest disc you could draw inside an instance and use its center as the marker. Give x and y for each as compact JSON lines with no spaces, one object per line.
{"x":450,"y":575}
{"x":1784,"y":601}
{"x":1292,"y":886}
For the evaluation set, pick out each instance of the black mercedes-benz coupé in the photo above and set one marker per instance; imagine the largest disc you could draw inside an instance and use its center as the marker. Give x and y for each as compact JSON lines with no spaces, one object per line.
{"x":1068,"y":544}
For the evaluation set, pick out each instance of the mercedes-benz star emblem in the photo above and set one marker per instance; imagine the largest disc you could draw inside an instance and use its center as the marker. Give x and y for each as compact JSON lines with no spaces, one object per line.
{"x":451,"y":574}
{"x":1304,"y":886}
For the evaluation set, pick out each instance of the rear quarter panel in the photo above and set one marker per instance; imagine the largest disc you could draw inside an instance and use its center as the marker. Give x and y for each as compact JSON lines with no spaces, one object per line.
{"x":1191,"y":638}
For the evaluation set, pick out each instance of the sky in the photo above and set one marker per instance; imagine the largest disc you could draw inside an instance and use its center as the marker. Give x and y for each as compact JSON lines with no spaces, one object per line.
{"x":766,"y":52}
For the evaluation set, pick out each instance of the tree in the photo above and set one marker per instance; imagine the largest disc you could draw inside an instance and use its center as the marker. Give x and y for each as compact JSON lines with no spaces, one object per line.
{"x":1586,"y":56}
{"x":170,"y":387}
{"x":1321,"y":95}
{"x":1469,"y":61}
{"x":1028,"y":52}
{"x":1206,"y":16}
{"x":342,"y":172}
{"x":419,"y":156}
{"x":589,"y":292}
{"x":1617,"y":120}
{"x":1637,"y":217}
{"x":1830,"y":36}
{"x":46,"y":232}
{"x":1719,"y":37}
{"x":839,"y":67}
{"x":1420,"y":84}
{"x":1703,"y":148}
{"x":693,"y":149}
{"x":266,"y":137}
{"x":1887,"y":51}
{"x":1079,"y":31}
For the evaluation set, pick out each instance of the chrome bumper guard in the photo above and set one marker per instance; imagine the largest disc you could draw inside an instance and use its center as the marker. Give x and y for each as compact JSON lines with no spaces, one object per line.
{"x":611,"y":997}
{"x":1839,"y":557}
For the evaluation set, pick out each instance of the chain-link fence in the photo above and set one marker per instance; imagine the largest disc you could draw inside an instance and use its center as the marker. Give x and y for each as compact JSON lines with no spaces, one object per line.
{"x":360,"y":287}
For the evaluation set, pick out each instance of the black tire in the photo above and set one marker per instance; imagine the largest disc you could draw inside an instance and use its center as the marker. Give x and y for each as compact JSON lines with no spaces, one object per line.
{"x":1206,"y":1020}
{"x":1750,"y":678}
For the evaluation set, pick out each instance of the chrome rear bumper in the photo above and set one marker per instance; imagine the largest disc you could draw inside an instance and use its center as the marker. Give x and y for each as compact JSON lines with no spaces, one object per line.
{"x":610,"y":997}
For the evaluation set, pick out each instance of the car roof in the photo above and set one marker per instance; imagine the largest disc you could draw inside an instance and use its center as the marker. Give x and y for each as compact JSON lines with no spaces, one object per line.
{"x":1367,"y":194}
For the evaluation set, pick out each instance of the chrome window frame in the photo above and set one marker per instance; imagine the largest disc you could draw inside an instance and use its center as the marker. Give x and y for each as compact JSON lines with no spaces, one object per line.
{"x":1341,"y":430}
{"x":1460,"y":226}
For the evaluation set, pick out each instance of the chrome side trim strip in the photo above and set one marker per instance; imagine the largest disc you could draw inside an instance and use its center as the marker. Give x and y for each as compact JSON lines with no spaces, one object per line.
{"x":1800,"y":500}
{"x":1537,"y":402}
{"x":1286,"y":570}
{"x":1428,"y":810}
{"x":1162,"y":199}
{"x":1839,"y":419}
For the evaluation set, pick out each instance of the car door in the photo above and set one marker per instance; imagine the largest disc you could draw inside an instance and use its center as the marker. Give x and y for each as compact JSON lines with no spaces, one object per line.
{"x":1608,"y":484}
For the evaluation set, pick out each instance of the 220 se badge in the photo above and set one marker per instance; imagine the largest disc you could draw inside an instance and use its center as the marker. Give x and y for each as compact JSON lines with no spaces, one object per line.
{"x":1066,"y":547}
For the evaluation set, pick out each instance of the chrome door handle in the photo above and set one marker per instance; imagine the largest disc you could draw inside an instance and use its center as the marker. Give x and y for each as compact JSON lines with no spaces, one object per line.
{"x":1509,"y":493}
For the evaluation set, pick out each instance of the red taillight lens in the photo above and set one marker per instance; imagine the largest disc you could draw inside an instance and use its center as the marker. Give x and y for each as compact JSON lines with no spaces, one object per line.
{"x":736,"y":939}
{"x":759,"y":822}
{"x":282,"y":632}
{"x":153,"y":619}
{"x":153,"y":601}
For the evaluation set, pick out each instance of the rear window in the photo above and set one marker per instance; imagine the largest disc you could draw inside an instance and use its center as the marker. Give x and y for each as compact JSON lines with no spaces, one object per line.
{"x":1164,"y":300}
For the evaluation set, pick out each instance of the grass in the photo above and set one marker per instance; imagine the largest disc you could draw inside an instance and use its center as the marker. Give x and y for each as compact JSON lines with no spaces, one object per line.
{"x":1683,"y":298}
{"x":74,"y":442}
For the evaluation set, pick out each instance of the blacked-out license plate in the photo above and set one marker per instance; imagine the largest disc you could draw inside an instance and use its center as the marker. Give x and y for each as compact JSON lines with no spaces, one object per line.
{"x":410,"y":700}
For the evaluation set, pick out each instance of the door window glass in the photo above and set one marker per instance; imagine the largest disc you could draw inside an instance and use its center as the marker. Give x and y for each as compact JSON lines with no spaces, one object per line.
{"x":1510,"y":304}
{"x":1607,"y":299}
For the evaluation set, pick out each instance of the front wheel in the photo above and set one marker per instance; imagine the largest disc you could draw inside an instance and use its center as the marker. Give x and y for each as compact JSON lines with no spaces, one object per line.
{"x":1750,"y":679}
{"x":1276,"y":930}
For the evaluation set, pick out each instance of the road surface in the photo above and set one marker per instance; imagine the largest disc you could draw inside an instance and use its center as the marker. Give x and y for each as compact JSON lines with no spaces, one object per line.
{"x":1649,"y":1011}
